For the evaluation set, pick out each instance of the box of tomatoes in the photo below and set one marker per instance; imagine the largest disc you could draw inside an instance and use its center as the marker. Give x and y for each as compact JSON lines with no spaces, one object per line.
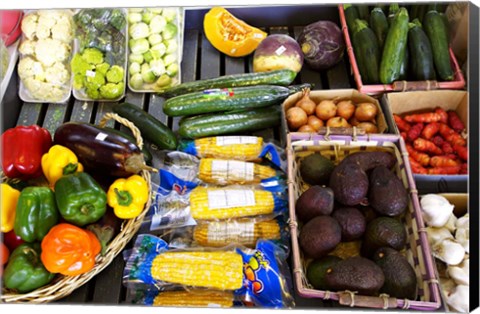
{"x":434,"y":126}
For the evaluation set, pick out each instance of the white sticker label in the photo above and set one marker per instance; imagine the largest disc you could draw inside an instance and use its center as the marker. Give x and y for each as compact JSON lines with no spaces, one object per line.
{"x":232,"y":140}
{"x":225,"y":170}
{"x":90,"y":73}
{"x":280,"y":50}
{"x":257,"y":35}
{"x":101,"y":136}
{"x":220,"y":199}
{"x":240,"y":232}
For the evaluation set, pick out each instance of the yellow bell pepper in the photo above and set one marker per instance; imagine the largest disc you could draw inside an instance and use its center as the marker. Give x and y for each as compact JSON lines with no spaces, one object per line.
{"x":9,"y":205}
{"x":59,"y":161}
{"x":128,"y":196}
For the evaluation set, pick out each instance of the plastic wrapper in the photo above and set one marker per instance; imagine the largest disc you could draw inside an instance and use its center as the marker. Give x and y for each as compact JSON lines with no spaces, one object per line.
{"x":259,"y":276}
{"x":244,"y":148}
{"x":155,"y":48}
{"x":45,"y":52}
{"x":99,"y":65}
{"x":5,"y":59}
{"x":180,"y":203}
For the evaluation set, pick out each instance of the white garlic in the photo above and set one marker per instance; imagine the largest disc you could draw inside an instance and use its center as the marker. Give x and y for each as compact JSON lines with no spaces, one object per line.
{"x":462,"y":236}
{"x":447,"y":285}
{"x":463,"y":222}
{"x":436,"y":210}
{"x":458,"y":299}
{"x":451,"y":223}
{"x":449,"y":251}
{"x":437,"y":235}
{"x":461,"y":273}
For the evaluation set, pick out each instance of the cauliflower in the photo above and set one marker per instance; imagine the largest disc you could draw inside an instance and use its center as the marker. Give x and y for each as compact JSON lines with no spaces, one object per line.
{"x":63,"y":32}
{"x":102,"y":68}
{"x":25,"y":68}
{"x":47,"y":18}
{"x":43,"y":32}
{"x":48,"y":51}
{"x":115,"y":74}
{"x":29,"y":26}
{"x":57,"y":74}
{"x":92,"y":55}
{"x":112,"y":90}
{"x":27,"y":47}
{"x":78,"y":81}
{"x":94,"y":80}
{"x":33,"y":86}
{"x":5,"y":58}
{"x":80,"y":66}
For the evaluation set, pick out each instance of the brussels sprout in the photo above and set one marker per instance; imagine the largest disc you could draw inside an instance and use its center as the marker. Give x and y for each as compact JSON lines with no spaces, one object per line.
{"x":170,"y":59}
{"x":136,"y":81}
{"x":172,"y":45}
{"x":158,"y":50}
{"x":170,"y":31}
{"x":154,"y":39}
{"x":148,"y":56}
{"x":139,"y":30}
{"x":134,"y":18}
{"x":169,"y":14}
{"x":155,"y":10}
{"x":157,"y":24}
{"x":157,"y":67}
{"x":134,"y":68}
{"x":172,"y":69}
{"x":163,"y":81}
{"x":147,"y":74}
{"x":147,"y":16}
{"x":137,"y":58}
{"x":139,"y":46}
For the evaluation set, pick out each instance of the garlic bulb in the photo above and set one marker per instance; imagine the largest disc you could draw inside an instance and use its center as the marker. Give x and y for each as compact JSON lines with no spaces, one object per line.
{"x":437,"y":235}
{"x":463,"y":222}
{"x":458,"y":299}
{"x":462,"y":236}
{"x":451,"y":224}
{"x":449,"y":251}
{"x":461,"y":273}
{"x":436,"y":210}
{"x":447,"y":285}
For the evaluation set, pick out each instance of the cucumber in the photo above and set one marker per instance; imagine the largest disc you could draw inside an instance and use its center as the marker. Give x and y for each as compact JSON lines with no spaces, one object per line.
{"x":395,"y":48}
{"x":379,"y":25}
{"x":218,"y":100}
{"x":351,"y":14}
{"x":150,"y":127}
{"x":228,"y":123}
{"x":437,"y":33}
{"x":282,"y":77}
{"x":367,"y":51}
{"x":146,"y":153}
{"x":421,"y":56}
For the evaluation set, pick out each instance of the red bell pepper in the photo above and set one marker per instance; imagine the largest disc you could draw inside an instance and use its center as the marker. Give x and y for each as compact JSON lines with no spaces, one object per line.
{"x":23,"y":147}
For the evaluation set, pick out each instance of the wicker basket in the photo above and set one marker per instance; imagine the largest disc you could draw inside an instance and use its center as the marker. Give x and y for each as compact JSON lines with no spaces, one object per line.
{"x":417,"y":250}
{"x":62,"y":286}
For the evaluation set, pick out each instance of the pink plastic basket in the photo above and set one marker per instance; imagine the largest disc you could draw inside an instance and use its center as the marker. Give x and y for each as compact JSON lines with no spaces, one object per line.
{"x":418,"y":253}
{"x":399,"y":86}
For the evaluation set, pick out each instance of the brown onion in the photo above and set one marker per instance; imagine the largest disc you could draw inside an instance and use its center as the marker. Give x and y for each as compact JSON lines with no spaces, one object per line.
{"x":366,"y":111}
{"x":345,"y":109}
{"x":307,"y":104}
{"x":296,"y":117}
{"x":369,"y":127}
{"x":306,"y":129}
{"x":326,"y":109}
{"x":315,"y":122}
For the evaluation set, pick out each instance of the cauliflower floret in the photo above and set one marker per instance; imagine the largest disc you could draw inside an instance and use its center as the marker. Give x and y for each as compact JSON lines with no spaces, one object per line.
{"x":115,"y":74}
{"x":93,"y":56}
{"x":112,"y":90}
{"x":63,"y":31}
{"x":57,"y":74}
{"x":56,"y":93}
{"x":29,"y":25}
{"x":25,"y":68}
{"x":48,"y":51}
{"x":43,"y":32}
{"x":79,"y":65}
{"x":48,"y":18}
{"x":27,"y":47}
{"x":34,"y":86}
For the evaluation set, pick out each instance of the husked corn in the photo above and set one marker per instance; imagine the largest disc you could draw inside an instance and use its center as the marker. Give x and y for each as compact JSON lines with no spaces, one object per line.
{"x":194,"y":298}
{"x":244,"y":232}
{"x":219,"y":270}
{"x":230,"y":147}
{"x":217,"y":203}
{"x":218,"y":171}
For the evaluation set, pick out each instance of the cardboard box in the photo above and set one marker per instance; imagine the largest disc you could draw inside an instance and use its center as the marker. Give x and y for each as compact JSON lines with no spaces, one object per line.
{"x":425,"y":101}
{"x":337,"y":95}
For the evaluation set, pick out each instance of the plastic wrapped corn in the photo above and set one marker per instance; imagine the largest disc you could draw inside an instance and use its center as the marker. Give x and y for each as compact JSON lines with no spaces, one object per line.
{"x":187,"y":298}
{"x":260,"y":275}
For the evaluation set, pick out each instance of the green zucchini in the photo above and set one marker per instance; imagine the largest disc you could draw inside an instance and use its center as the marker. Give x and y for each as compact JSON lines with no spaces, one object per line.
{"x":229,"y":123}
{"x":439,"y":7}
{"x":363,"y":11}
{"x":146,"y":153}
{"x":404,"y":66}
{"x":282,"y":77}
{"x":227,"y":99}
{"x":392,"y":10}
{"x":150,"y":127}
{"x":367,"y":51}
{"x":395,"y":48}
{"x":421,"y":56}
{"x":379,"y":25}
{"x":351,"y":14}
{"x":437,"y":33}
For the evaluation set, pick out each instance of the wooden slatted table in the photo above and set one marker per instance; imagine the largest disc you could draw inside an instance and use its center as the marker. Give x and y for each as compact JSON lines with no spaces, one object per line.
{"x":200,"y":61}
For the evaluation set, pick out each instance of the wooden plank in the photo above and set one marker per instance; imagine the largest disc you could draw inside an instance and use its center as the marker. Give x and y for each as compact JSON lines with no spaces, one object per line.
{"x":135,"y":98}
{"x":234,"y":65}
{"x":307,"y":74}
{"x":55,"y":116}
{"x":338,"y":76}
{"x":210,"y":58}
{"x":108,"y":283}
{"x":29,"y":114}
{"x":155,"y":108}
{"x":82,"y":111}
{"x":102,"y":109}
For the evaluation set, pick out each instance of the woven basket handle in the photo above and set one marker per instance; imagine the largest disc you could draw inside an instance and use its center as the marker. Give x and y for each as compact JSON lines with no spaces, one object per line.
{"x":349,"y":298}
{"x":135,"y":131}
{"x":403,"y":86}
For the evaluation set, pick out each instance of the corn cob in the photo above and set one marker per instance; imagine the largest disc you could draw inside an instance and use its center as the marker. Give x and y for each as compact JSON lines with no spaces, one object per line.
{"x":244,"y":232}
{"x":219,"y":270}
{"x":246,"y":148}
{"x":194,"y":298}
{"x":216,"y":203}
{"x":216,"y":171}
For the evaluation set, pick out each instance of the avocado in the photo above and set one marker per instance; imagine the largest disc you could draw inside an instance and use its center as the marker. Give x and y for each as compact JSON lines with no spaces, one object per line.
{"x":368,"y":212}
{"x":352,"y":222}
{"x":370,"y":160}
{"x":315,"y":201}
{"x":355,"y":274}
{"x":400,"y":278}
{"x":317,"y":269}
{"x":381,"y":232}
{"x":316,"y":169}
{"x":387,"y":194}
{"x":320,"y":236}
{"x":349,"y":184}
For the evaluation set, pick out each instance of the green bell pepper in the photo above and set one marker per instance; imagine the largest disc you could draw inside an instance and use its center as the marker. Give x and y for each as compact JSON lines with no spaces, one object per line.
{"x":80,"y":199}
{"x":25,"y":271}
{"x":36,"y":213}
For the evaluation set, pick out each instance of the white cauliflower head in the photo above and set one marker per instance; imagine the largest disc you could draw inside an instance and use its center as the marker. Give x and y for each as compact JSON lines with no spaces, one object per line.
{"x":48,"y":51}
{"x":25,"y":68}
{"x":27,"y":47}
{"x":29,"y":25}
{"x":47,"y":18}
{"x":57,"y":74}
{"x":63,"y":31}
{"x":43,"y":32}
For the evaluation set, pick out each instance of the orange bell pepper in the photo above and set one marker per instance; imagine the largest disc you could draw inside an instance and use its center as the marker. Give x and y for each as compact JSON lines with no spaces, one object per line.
{"x":69,"y":250}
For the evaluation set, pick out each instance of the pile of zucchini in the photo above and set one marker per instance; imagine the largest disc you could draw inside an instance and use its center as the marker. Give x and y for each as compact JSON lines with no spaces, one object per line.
{"x":394,"y":42}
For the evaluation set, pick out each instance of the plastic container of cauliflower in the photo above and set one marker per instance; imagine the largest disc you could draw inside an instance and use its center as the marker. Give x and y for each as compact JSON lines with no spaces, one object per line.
{"x":9,"y":58}
{"x":155,"y":48}
{"x":111,"y":39}
{"x":45,"y":51}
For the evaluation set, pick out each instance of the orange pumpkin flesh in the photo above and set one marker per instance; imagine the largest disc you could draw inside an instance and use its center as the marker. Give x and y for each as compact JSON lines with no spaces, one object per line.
{"x":230,"y":35}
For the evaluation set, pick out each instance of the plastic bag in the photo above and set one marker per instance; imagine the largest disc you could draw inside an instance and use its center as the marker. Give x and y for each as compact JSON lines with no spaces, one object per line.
{"x":99,"y":65}
{"x":5,"y":59}
{"x":45,"y":52}
{"x":259,"y":276}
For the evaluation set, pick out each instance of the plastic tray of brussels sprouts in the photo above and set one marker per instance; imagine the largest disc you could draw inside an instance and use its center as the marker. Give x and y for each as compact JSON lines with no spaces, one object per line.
{"x":99,"y":64}
{"x":155,"y":48}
